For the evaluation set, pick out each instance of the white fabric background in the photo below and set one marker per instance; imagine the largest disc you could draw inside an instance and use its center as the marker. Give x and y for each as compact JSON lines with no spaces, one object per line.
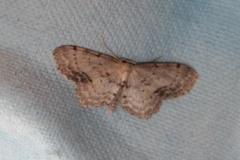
{"x":40,"y":117}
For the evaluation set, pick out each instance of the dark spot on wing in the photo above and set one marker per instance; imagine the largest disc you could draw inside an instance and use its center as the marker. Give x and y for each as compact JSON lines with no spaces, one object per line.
{"x":74,"y":48}
{"x":85,"y":78}
{"x":123,"y":83}
{"x":178,"y":65}
{"x":73,"y":78}
{"x":146,"y":82}
{"x":86,"y":51}
{"x":80,"y":77}
{"x":98,"y":55}
{"x":160,"y":91}
{"x":173,"y":89}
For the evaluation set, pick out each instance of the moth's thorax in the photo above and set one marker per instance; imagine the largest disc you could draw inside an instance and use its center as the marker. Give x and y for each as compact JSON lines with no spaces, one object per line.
{"x":125,"y":69}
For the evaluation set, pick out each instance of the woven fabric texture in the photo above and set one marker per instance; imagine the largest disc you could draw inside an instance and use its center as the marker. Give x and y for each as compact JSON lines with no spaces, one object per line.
{"x":40,"y":117}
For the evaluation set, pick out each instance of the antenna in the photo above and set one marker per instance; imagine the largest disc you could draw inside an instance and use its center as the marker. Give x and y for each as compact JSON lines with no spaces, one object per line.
{"x":104,"y":44}
{"x":155,"y":59}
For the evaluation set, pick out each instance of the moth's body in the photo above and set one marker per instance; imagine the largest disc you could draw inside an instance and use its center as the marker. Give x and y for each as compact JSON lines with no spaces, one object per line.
{"x":104,"y":80}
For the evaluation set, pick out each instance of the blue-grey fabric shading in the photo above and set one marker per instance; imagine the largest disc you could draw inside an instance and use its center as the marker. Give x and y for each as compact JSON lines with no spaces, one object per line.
{"x":40,"y":117}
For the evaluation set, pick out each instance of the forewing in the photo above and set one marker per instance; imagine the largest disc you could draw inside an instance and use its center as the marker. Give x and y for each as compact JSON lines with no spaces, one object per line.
{"x":149,"y":83}
{"x":96,"y":75}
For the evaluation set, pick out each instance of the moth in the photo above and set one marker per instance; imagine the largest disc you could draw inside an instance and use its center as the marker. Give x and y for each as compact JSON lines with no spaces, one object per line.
{"x":103,"y":80}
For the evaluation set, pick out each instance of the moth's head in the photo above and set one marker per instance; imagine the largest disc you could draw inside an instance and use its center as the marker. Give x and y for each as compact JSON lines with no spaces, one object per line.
{"x":124,"y":60}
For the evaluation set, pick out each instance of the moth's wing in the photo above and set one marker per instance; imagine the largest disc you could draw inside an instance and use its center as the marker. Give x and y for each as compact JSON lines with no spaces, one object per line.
{"x":96,"y":74}
{"x":149,"y":83}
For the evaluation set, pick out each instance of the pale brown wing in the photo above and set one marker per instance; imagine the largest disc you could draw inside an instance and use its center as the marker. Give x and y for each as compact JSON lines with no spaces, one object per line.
{"x":150,"y":83}
{"x":96,"y":75}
